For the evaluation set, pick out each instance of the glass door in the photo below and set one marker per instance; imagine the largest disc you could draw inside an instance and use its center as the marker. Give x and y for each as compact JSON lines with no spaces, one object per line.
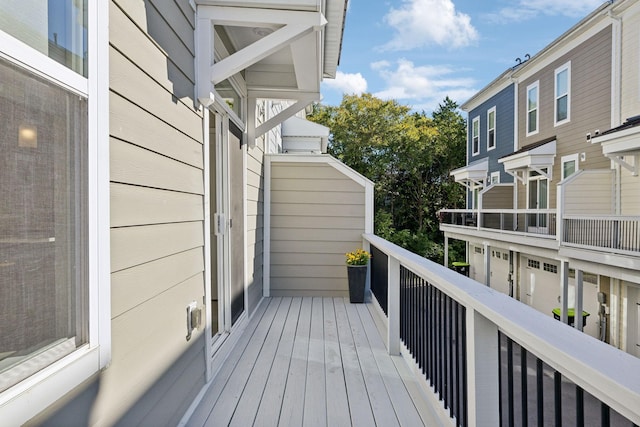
{"x":226,"y":204}
{"x":538,"y":199}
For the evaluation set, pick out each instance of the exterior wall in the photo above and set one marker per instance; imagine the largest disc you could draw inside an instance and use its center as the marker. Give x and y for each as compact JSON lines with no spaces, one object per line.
{"x":156,"y":213}
{"x":498,"y":197}
{"x":630,"y":64}
{"x":590,"y":107}
{"x":317,"y":214}
{"x":255,"y":223}
{"x":504,"y":105}
{"x":629,"y":192}
{"x":598,"y":184}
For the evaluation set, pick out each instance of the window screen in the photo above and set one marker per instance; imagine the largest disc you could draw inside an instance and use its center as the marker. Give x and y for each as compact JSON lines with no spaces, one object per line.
{"x":43,"y":301}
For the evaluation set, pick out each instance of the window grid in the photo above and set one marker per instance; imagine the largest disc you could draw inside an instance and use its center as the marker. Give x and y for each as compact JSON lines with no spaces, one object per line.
{"x":533,"y":264}
{"x":551,"y":268}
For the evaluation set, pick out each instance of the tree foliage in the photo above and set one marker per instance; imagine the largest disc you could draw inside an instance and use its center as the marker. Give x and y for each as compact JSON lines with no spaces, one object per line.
{"x":408,"y":156}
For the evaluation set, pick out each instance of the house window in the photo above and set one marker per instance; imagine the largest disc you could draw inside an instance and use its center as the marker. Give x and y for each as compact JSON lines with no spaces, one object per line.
{"x":495,"y":177}
{"x":43,"y":249}
{"x":532,"y":108}
{"x":569,"y":165}
{"x":491,"y":129}
{"x":475,"y":136}
{"x":54,"y":237}
{"x":533,"y":264}
{"x":562,"y":92}
{"x":58,"y":30}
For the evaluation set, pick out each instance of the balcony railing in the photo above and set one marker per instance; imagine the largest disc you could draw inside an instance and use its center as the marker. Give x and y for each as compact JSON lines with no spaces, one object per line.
{"x":491,"y":360}
{"x":530,"y":221}
{"x":616,"y":233}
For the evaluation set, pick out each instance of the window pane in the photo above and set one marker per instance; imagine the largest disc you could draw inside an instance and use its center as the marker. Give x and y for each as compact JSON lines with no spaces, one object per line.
{"x":42,"y":223}
{"x":562,"y":112}
{"x":492,"y":120}
{"x":532,"y":121}
{"x":492,"y":140}
{"x":532,"y":99}
{"x":57,"y":28}
{"x":562,"y":82}
{"x":568,"y":168}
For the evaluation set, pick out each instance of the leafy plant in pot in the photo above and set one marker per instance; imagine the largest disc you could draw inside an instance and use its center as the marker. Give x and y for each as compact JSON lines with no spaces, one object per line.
{"x":357,"y":263}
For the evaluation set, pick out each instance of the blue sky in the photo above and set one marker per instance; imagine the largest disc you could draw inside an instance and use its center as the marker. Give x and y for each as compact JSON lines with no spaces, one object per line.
{"x":419,"y":51}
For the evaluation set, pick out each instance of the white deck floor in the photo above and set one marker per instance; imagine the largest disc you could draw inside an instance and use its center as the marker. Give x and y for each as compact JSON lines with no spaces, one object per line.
{"x":312,"y":362}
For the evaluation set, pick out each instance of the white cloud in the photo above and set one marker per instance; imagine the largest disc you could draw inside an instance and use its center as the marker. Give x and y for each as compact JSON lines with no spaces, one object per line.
{"x":420,"y":23}
{"x":424,"y":85}
{"x":529,"y":9}
{"x":351,"y":84}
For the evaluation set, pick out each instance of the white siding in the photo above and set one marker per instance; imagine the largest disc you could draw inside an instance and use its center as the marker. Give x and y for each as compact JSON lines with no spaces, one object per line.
{"x":317,"y":215}
{"x":597,"y":184}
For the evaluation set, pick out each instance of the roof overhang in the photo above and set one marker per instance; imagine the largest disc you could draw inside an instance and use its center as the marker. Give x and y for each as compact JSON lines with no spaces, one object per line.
{"x":281,"y":49}
{"x":301,"y":135}
{"x":539,"y":158}
{"x":473,"y":175}
{"x":621,"y":144}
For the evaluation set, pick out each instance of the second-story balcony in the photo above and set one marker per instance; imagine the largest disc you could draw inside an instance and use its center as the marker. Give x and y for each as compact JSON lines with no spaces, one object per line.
{"x":430,"y":347}
{"x":537,"y":222}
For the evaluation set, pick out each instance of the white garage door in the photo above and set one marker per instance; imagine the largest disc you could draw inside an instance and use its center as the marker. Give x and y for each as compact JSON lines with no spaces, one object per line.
{"x":500,"y":270}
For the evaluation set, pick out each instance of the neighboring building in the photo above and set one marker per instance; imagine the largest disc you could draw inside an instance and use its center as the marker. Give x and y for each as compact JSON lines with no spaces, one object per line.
{"x":549,"y":245}
{"x":139,"y":143}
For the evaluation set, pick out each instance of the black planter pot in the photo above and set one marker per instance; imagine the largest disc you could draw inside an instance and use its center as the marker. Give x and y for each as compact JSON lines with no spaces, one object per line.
{"x":357,"y":275}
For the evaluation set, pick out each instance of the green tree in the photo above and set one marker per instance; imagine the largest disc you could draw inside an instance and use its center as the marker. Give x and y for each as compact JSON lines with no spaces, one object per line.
{"x":408,"y":156}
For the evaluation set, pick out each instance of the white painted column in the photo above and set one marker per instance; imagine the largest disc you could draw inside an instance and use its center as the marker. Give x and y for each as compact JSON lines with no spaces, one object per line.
{"x":579,"y":301}
{"x":487,"y":265}
{"x":446,"y":251}
{"x":564,"y":292}
{"x":393,"y":305}
{"x":482,"y":371}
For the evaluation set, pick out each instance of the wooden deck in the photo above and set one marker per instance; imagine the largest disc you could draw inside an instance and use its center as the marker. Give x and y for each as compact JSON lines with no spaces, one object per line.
{"x":312,"y":362}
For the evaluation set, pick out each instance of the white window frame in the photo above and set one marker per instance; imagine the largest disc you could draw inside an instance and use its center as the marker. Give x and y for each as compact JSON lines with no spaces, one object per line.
{"x":566,"y":67}
{"x":23,"y":401}
{"x":570,"y":158}
{"x":489,"y":128}
{"x":535,"y":85}
{"x":494,"y":178}
{"x":474,"y":136}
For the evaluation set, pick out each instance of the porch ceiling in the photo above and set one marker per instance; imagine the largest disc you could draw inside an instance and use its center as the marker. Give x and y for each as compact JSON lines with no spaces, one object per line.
{"x":283,"y":47}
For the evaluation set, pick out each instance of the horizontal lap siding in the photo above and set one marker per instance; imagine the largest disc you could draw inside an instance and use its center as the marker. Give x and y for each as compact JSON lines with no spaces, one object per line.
{"x":255,"y":224}
{"x":630,"y":101}
{"x":598,"y":185}
{"x":590,"y":107}
{"x":157,"y":196}
{"x":317,"y":215}
{"x":498,"y":198}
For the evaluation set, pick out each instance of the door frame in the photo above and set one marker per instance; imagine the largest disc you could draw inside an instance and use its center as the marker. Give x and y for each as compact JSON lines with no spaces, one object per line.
{"x":222,"y":114}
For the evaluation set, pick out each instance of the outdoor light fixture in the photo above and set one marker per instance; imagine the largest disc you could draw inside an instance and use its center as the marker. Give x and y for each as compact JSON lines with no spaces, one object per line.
{"x":27,"y":136}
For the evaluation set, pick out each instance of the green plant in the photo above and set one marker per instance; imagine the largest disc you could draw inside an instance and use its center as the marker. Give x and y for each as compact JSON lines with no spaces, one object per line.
{"x":358,"y":257}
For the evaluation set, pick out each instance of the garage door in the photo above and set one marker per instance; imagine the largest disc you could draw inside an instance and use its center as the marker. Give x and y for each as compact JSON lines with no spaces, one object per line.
{"x":500,"y":270}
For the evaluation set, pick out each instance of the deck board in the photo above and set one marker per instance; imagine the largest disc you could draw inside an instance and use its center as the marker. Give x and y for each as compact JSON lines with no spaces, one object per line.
{"x":309,"y":361}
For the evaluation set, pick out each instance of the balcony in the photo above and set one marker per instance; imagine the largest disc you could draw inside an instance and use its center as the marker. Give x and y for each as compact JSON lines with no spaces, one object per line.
{"x":536,"y":222}
{"x":432,"y":347}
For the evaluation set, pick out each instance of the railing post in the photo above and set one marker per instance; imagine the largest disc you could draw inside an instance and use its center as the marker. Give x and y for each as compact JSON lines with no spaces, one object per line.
{"x":482,"y":370}
{"x":393,"y":305}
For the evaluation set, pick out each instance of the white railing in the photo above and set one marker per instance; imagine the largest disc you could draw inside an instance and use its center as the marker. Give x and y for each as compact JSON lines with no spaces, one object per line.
{"x":462,"y":335}
{"x":616,"y":233}
{"x":523,"y":221}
